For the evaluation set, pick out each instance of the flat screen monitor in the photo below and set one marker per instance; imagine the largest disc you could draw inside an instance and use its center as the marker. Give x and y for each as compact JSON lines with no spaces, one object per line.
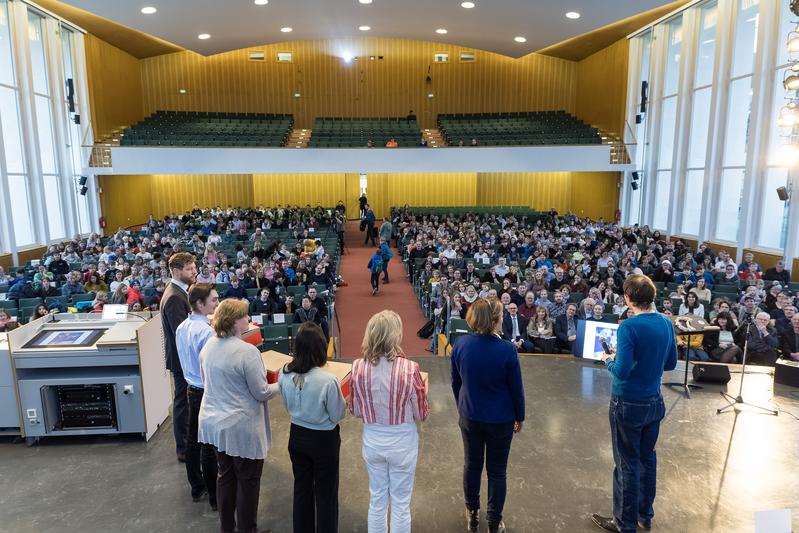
{"x":65,"y":338}
{"x":589,"y":334}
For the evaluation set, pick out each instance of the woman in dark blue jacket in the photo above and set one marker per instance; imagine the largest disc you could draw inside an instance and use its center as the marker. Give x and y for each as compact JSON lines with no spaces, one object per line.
{"x":487,"y":382}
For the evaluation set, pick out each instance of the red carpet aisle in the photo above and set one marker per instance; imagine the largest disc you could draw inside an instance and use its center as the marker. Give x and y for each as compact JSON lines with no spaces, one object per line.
{"x":356,"y":304}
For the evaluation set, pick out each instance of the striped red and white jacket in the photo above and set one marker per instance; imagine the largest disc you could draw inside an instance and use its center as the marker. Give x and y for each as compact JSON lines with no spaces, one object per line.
{"x":390,"y":392}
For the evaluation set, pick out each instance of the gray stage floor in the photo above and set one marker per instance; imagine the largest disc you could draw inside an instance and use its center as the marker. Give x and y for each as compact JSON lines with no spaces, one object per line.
{"x":715,"y":470}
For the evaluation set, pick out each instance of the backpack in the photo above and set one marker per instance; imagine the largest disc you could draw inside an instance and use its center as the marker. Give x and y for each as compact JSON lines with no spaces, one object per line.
{"x":377,"y":264}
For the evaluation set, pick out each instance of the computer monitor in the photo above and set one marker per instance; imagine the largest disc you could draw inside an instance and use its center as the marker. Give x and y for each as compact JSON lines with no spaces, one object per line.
{"x":588,"y":344}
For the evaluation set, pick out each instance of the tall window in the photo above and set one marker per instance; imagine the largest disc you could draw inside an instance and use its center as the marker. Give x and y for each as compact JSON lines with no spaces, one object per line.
{"x":644,"y":44}
{"x":18,"y":179}
{"x":693,"y":191}
{"x":44,"y":127}
{"x":739,"y":108}
{"x":668,"y":118}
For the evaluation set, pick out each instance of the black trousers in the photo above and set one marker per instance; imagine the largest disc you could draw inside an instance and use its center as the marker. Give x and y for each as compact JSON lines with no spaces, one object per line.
{"x":489,"y":444}
{"x":315,"y":463}
{"x":237,"y":491}
{"x":375,"y":280}
{"x":370,"y":234}
{"x":385,"y":271}
{"x":180,"y":412}
{"x":200,"y":458}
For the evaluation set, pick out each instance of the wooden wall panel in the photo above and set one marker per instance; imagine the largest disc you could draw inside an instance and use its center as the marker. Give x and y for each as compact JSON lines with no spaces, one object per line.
{"x":331,"y":87}
{"x":31,"y":253}
{"x":352,"y":186}
{"x":378,"y":194}
{"x":765,"y":260}
{"x":176,"y":193}
{"x":6,"y":260}
{"x":602,"y":87}
{"x":125,"y":200}
{"x":595,"y":194}
{"x":298,"y":189}
{"x":795,"y":270}
{"x":540,"y":190}
{"x":115,"y":88}
{"x":433,"y":189}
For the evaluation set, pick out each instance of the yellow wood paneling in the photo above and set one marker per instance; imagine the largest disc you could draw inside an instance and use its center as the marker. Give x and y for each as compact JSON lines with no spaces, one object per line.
{"x":352,"y":185}
{"x":765,"y":260}
{"x":6,"y":260}
{"x":331,"y":87}
{"x":30,"y":254}
{"x":176,"y":193}
{"x":115,"y":88}
{"x":125,"y":200}
{"x":595,"y":194}
{"x":602,"y":87}
{"x":432,"y":189}
{"x":377,"y":194}
{"x":539,"y":190}
{"x":298,"y":189}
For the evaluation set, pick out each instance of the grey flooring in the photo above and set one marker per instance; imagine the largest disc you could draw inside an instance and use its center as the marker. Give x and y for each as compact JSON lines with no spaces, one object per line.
{"x":715,"y":471}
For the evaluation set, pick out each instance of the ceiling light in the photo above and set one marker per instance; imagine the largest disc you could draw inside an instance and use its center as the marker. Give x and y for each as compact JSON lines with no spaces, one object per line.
{"x":261,"y":2}
{"x":204,"y":36}
{"x":790,"y":82}
{"x":286,"y":29}
{"x":364,"y":28}
{"x":441,"y":31}
{"x":793,"y":42}
{"x":149,"y":10}
{"x":572,"y":15}
{"x":467,"y":5}
{"x":365,"y":1}
{"x":520,"y":39}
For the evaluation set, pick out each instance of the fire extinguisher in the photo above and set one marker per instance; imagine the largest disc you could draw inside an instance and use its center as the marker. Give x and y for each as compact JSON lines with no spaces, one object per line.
{"x":102,"y":222}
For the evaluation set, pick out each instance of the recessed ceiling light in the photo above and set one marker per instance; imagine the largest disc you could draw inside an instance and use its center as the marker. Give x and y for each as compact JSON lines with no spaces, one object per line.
{"x":467,"y":5}
{"x":261,"y":2}
{"x":364,"y":28}
{"x":572,"y":15}
{"x":149,"y":10}
{"x":204,"y":36}
{"x":286,"y":29}
{"x":365,"y":1}
{"x":520,"y":39}
{"x":441,"y":31}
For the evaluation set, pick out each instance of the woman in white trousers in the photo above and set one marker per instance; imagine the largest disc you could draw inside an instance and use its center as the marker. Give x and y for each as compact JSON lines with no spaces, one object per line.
{"x":389,"y":394}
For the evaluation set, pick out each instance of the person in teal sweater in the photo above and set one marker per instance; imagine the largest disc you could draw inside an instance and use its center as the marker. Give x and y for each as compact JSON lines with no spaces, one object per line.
{"x":646,"y":347}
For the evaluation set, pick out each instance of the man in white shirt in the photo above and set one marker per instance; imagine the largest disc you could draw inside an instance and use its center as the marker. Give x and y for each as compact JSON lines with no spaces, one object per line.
{"x":502,"y":269}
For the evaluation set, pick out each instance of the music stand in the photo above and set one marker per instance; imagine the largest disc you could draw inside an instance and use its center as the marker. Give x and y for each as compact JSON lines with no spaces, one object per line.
{"x":686,"y":326}
{"x":733,"y":402}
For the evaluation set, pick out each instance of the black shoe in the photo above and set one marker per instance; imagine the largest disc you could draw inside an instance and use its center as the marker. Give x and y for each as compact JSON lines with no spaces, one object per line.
{"x":605,"y":523}
{"x":496,"y":528}
{"x":199,"y":497}
{"x":181,"y":457}
{"x":646,"y":525}
{"x":472,"y":520}
{"x":212,"y":503}
{"x":374,"y":291}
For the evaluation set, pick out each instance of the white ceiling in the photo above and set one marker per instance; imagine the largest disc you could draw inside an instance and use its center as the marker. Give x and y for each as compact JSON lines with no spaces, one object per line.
{"x":491,"y":25}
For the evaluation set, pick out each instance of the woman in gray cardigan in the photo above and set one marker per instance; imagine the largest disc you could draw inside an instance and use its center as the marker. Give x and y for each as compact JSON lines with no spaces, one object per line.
{"x":234,"y":417}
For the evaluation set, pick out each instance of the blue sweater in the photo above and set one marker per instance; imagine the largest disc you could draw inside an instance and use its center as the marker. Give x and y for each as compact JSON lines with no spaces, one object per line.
{"x":646,"y":347}
{"x":487,"y":379}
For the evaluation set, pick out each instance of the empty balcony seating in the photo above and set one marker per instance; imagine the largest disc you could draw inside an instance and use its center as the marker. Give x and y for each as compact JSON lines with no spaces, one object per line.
{"x":200,"y":128}
{"x":519,"y":128}
{"x":357,"y":132}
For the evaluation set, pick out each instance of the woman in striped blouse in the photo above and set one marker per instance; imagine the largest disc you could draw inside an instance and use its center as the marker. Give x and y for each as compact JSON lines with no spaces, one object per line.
{"x":388,"y":393}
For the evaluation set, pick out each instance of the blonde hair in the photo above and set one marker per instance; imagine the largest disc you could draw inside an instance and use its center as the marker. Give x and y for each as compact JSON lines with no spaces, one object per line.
{"x":226,"y":315}
{"x":484,"y":316}
{"x":382,"y":337}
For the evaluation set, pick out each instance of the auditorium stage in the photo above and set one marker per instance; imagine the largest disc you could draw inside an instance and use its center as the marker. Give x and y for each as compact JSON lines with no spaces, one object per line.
{"x":715,"y":470}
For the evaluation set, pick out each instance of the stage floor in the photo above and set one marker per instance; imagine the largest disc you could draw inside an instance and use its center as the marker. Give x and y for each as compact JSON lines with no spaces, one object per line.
{"x":715,"y":471}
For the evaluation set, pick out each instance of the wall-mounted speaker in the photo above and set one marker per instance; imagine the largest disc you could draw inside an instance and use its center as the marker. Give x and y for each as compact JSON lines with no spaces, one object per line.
{"x":634,"y":185}
{"x":782,"y":192}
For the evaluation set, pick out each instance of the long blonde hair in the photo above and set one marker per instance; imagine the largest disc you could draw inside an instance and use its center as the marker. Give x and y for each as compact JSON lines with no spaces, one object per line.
{"x":382,"y":337}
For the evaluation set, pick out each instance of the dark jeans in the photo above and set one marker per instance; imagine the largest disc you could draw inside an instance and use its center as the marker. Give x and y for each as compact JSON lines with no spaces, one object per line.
{"x":370,"y":234}
{"x":200,"y":458}
{"x":237,"y":491}
{"x":385,"y":271}
{"x":315,"y":463}
{"x":375,"y":280}
{"x":634,"y":428}
{"x":180,"y":411}
{"x":489,"y":443}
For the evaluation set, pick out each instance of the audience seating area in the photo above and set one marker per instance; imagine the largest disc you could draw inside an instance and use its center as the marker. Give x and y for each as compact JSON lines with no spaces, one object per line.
{"x":357,"y":132}
{"x":517,"y":128}
{"x":200,"y":128}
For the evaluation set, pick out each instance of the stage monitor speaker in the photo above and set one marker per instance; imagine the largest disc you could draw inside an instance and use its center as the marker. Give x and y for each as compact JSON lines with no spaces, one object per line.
{"x":786,"y":373}
{"x":782,"y":192}
{"x":711,"y":373}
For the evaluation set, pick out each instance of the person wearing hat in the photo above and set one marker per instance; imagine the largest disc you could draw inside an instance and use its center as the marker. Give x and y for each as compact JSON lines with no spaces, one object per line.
{"x":664,"y":273}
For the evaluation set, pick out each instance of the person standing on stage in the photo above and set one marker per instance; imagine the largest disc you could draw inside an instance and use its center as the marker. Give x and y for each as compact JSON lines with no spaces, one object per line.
{"x":388,"y":393}
{"x":190,"y":338}
{"x":646,"y":347}
{"x":175,"y":309}
{"x":315,"y":404}
{"x":487,"y":383}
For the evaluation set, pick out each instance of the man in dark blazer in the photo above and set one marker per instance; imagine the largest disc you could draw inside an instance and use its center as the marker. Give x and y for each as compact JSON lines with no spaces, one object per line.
{"x":566,"y":327}
{"x":514,"y":329}
{"x":175,"y":309}
{"x":789,"y":342}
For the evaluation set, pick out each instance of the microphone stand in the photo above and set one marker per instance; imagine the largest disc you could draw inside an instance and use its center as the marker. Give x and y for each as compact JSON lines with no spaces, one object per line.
{"x":734,"y":402}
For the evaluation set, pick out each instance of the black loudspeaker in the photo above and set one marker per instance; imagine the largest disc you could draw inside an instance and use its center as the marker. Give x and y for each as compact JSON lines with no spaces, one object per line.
{"x":782,"y":192}
{"x":786,"y":372}
{"x":711,"y":373}
{"x":634,"y":185}
{"x":644,"y":96}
